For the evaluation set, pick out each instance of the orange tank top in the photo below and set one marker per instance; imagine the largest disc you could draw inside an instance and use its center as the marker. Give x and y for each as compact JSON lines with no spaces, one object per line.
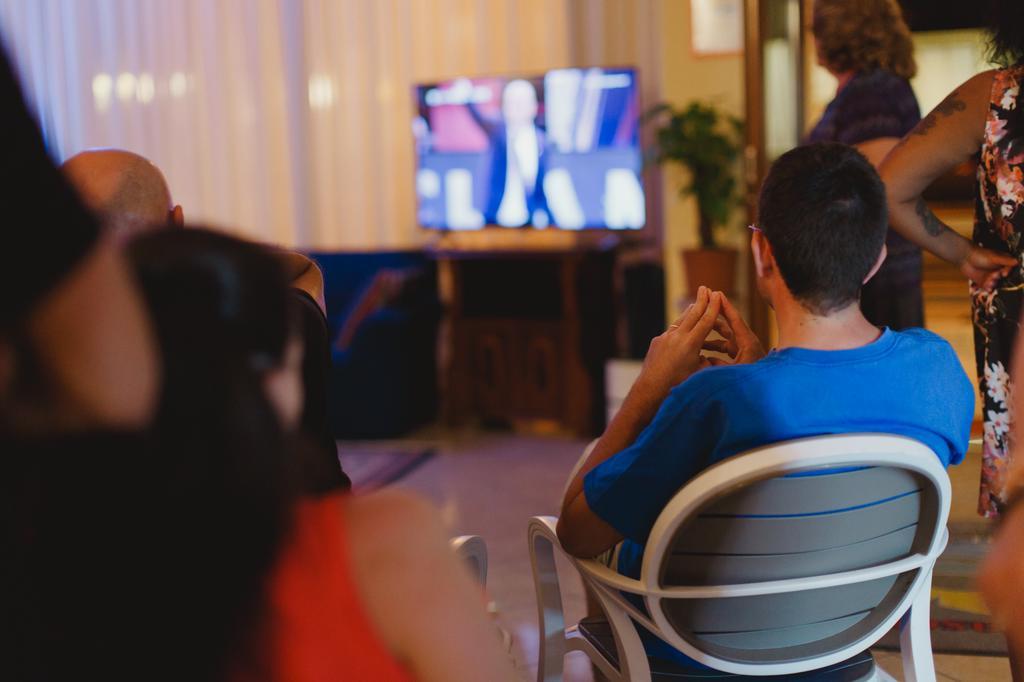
{"x":320,"y":630}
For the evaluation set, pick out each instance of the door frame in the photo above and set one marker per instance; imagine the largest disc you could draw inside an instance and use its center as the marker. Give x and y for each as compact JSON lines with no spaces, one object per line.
{"x":755,"y":144}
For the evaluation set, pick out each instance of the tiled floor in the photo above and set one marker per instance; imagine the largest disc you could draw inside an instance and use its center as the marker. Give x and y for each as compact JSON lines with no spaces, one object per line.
{"x":490,"y":484}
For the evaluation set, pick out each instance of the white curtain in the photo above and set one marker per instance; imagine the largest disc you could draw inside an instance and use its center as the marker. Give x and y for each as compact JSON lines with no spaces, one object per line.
{"x":287,"y":120}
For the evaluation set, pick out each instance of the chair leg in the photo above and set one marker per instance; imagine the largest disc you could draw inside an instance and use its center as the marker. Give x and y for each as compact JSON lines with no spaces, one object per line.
{"x":916,"y":638}
{"x":633,"y":663}
{"x":882,"y":676}
{"x":554,"y":642}
{"x":551,"y":648}
{"x":472,"y":550}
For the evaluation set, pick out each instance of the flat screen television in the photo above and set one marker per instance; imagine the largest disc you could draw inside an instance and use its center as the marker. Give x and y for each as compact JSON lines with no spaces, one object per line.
{"x":560,"y":150}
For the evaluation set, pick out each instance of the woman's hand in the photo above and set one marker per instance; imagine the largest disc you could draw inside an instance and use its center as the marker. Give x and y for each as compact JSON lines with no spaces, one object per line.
{"x":985,"y":267}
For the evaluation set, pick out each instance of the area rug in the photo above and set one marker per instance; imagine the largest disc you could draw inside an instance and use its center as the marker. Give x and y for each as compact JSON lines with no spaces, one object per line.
{"x":372,"y":469}
{"x":960,"y":624}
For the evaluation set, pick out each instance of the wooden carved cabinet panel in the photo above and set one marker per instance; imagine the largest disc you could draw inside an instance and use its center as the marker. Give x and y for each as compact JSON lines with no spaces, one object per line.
{"x":529,"y":334}
{"x":492,"y":372}
{"x":541,"y":381}
{"x":516,"y":369}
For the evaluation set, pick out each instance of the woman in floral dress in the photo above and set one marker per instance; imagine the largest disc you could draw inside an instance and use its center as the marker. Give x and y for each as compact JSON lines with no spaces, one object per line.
{"x":984,"y":114}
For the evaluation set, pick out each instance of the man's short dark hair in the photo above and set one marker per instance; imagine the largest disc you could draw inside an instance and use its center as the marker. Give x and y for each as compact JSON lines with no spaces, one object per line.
{"x":822,"y":209}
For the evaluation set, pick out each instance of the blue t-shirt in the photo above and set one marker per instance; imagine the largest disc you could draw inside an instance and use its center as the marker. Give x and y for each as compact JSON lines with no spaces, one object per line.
{"x":907,"y":383}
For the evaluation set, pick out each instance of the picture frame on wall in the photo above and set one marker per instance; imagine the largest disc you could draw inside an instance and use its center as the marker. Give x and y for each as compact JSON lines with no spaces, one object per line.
{"x":716,"y":27}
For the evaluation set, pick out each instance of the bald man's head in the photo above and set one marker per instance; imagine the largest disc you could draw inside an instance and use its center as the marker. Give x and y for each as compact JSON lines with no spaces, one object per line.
{"x":125,"y":189}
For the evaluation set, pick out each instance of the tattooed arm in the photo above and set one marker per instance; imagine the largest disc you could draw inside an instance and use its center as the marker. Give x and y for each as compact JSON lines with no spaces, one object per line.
{"x":952,"y":133}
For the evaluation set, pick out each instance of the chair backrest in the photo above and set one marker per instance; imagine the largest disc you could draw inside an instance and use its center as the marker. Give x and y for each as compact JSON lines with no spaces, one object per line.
{"x":808,"y":512}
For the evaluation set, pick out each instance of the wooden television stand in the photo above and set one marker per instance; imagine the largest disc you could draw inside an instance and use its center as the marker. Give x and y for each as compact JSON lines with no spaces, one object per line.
{"x":526,"y":334}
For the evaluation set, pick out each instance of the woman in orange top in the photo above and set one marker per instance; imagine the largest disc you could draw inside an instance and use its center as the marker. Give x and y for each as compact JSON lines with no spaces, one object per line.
{"x":193,"y":554}
{"x":360,"y":588}
{"x":410,"y":611}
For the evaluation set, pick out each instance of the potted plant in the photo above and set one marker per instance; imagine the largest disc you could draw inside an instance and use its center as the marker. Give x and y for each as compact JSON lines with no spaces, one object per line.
{"x":708,"y":143}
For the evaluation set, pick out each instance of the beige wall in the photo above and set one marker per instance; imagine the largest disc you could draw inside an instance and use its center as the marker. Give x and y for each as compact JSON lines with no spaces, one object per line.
{"x":374,"y":52}
{"x":654,"y":35}
{"x":435,"y":39}
{"x":683,"y":78}
{"x":299,"y":110}
{"x":625,"y":33}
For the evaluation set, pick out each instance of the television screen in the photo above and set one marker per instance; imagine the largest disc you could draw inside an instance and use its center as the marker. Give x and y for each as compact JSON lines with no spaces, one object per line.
{"x":561,"y":150}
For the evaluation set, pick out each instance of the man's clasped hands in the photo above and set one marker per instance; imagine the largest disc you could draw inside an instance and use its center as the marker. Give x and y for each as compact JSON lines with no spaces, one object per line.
{"x":680,"y":351}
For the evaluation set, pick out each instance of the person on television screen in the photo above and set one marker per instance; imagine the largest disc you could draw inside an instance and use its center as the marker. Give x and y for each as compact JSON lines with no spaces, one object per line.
{"x":516,"y":190}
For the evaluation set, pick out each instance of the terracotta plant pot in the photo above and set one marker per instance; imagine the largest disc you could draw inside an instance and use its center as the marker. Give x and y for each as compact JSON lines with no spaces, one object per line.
{"x":713,"y":268}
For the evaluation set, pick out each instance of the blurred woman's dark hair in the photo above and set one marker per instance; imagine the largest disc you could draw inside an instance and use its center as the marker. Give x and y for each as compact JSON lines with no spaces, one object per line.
{"x":1006,"y":32}
{"x":147,"y":556}
{"x":28,"y":392}
{"x":221,"y":310}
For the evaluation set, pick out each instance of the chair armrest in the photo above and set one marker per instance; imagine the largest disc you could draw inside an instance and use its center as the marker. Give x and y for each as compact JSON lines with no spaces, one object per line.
{"x":544,"y":525}
{"x":911,"y":563}
{"x":553,"y":644}
{"x":576,"y":468}
{"x":472,"y":550}
{"x":540,"y":531}
{"x":542,"y":528}
{"x":609,"y":577}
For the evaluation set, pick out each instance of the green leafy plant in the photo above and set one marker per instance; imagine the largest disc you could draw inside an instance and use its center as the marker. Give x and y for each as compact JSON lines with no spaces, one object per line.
{"x":708,"y":143}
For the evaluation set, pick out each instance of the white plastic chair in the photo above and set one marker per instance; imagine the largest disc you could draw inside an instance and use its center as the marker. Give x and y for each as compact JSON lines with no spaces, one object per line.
{"x":472,"y":550}
{"x":754,"y":572}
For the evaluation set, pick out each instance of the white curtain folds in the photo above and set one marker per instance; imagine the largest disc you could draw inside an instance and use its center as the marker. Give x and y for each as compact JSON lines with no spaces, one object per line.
{"x":285,"y":120}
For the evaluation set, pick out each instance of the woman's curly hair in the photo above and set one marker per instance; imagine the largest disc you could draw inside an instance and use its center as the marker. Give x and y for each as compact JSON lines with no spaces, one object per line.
{"x":863,"y":35}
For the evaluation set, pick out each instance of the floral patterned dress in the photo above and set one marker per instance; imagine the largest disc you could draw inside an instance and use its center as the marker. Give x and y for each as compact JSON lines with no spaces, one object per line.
{"x":999,"y":225}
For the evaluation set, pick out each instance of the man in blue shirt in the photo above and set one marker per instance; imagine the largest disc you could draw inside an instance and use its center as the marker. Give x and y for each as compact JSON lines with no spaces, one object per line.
{"x":821,"y":237}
